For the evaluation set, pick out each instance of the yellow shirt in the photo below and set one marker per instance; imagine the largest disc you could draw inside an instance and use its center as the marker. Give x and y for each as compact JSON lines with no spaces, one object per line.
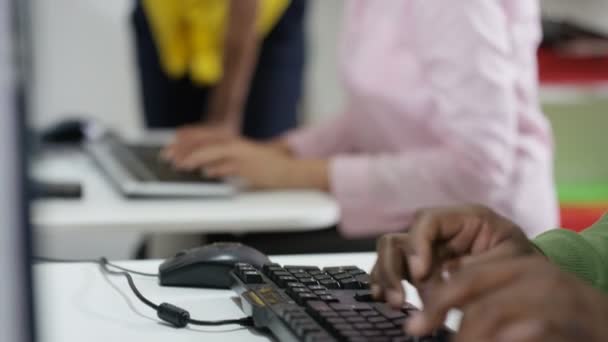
{"x":189,"y":34}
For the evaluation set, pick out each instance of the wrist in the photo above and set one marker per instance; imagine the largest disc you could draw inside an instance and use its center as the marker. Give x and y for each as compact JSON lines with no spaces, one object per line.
{"x":279,"y":145}
{"x":308,"y":174}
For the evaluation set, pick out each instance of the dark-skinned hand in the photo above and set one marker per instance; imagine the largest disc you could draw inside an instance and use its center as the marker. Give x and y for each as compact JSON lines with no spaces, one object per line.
{"x":523,"y":299}
{"x":439,"y":238}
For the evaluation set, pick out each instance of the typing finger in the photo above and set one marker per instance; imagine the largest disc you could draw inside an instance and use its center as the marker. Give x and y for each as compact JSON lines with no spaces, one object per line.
{"x":390,"y":269}
{"x":460,"y":289}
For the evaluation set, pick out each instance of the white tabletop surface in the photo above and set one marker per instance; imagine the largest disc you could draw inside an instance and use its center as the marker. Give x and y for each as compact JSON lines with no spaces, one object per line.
{"x":76,"y":302}
{"x":104,"y":209}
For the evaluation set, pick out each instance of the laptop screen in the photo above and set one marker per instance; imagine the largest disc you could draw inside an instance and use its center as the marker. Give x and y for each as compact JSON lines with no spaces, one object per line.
{"x":15,"y":289}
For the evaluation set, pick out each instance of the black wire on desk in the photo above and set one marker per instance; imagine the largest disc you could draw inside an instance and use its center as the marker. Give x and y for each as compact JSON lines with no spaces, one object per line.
{"x":167,"y":312}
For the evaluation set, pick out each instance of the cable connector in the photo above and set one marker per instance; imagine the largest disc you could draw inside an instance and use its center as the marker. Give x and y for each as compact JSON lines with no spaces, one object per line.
{"x":175,"y":315}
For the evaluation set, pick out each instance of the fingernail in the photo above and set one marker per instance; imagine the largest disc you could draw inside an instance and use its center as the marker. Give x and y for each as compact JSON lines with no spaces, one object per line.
{"x":445,"y":274}
{"x":375,"y":290}
{"x":394,"y":297}
{"x":414,"y":324}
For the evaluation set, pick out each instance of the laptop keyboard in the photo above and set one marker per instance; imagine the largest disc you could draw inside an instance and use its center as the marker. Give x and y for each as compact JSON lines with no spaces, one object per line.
{"x":145,"y":163}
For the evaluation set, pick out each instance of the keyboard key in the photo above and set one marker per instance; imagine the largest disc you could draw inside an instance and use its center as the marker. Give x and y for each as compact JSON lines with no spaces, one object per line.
{"x":356,"y":319}
{"x":328,"y":314}
{"x":329,"y":299}
{"x":364,"y":296}
{"x":379,"y":339}
{"x":330,"y":284}
{"x":377,"y":319}
{"x":295,"y":290}
{"x":242,"y":265}
{"x":399,"y":321}
{"x":384,"y":326}
{"x":340,"y":276}
{"x":369,"y":313}
{"x":371,"y":333}
{"x":389,"y":313}
{"x":283,"y":280}
{"x":364,"y":281}
{"x":276,"y":274}
{"x":292,"y":268}
{"x":335,"y":320}
{"x":356,"y":272}
{"x":308,"y":281}
{"x":251,"y":277}
{"x":295,"y":284}
{"x":339,"y":269}
{"x":347,"y":314}
{"x":350,"y":284}
{"x":404,"y":339}
{"x":318,"y":337}
{"x":317,"y":288}
{"x":347,"y":332}
{"x":302,"y":275}
{"x":269,"y":269}
{"x":342,"y":326}
{"x":318,"y":306}
{"x":321,"y":277}
{"x":362,"y":326}
{"x":393,"y":332}
{"x":302,"y":298}
{"x":340,"y":307}
{"x":321,"y":293}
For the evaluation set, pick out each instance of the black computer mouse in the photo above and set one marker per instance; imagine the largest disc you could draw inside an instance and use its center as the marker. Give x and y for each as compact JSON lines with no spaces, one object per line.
{"x":68,"y":131}
{"x":208,"y":266}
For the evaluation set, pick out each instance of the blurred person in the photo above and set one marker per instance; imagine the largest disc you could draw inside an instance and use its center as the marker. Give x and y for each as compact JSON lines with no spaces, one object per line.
{"x":442,"y":109}
{"x":220,"y":63}
{"x":554,"y":287}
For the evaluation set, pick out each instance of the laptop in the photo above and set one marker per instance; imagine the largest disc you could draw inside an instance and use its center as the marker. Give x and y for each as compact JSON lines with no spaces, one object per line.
{"x":16,"y":314}
{"x":138,"y":171}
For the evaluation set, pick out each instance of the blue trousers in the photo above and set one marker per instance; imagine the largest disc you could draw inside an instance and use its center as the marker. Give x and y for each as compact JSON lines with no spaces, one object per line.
{"x":275,"y":90}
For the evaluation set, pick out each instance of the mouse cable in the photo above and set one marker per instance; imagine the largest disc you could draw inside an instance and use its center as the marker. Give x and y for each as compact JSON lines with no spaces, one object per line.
{"x":167,"y":312}
{"x":93,"y":261}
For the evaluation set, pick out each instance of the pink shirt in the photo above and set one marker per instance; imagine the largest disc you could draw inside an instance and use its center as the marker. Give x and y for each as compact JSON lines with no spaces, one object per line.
{"x":442,"y":110}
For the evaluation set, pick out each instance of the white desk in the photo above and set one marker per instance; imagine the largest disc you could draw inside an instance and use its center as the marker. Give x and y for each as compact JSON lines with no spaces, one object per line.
{"x":75,"y":302}
{"x":103,"y":208}
{"x":104,"y":222}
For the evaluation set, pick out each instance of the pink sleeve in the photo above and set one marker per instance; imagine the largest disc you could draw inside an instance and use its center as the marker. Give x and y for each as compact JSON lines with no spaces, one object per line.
{"x":322,"y":140}
{"x":469,"y":89}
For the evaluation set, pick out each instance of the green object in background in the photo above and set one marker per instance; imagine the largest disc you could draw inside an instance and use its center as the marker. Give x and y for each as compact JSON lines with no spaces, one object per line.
{"x":579,"y":120}
{"x":589,"y":194}
{"x":580,"y":130}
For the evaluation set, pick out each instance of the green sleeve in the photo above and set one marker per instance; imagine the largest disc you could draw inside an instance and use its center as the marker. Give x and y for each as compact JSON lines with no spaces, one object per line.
{"x":584,"y":254}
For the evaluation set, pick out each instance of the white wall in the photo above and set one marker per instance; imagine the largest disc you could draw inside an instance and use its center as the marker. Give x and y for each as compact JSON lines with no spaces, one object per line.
{"x":83,"y":64}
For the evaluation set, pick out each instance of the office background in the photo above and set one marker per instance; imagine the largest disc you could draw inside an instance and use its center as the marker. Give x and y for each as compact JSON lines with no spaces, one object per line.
{"x":84,"y":67}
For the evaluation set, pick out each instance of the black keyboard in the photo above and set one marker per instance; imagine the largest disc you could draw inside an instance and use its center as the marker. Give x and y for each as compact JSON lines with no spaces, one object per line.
{"x":306,"y":303}
{"x":145,"y":163}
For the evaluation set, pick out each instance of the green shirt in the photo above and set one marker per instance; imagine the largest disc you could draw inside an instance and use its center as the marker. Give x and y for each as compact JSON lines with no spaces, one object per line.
{"x":584,"y":254}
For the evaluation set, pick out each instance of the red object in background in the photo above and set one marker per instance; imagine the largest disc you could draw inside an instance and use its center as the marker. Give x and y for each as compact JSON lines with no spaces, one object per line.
{"x":579,"y":218}
{"x":556,"y":69}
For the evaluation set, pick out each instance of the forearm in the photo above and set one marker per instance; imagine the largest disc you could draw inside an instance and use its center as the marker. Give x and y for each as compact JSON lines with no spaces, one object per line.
{"x":240,"y":56}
